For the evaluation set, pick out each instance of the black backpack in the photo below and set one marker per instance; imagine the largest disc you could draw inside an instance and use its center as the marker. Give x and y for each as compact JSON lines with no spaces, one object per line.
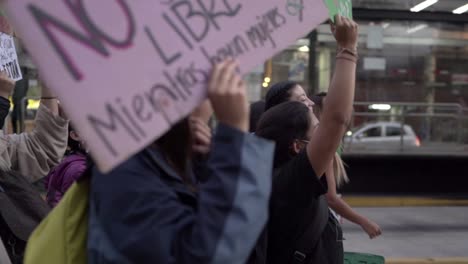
{"x":305,"y":240}
{"x":21,"y":210}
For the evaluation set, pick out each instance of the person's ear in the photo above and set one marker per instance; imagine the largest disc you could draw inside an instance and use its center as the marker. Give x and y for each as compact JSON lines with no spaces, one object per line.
{"x":296,"y":147}
{"x":74,"y":136}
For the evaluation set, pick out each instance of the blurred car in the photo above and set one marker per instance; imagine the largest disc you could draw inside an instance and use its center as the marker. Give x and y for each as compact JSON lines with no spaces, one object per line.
{"x":381,"y":135}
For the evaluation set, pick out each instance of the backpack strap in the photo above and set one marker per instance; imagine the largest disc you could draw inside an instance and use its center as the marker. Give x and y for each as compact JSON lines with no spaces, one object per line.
{"x":306,"y":241}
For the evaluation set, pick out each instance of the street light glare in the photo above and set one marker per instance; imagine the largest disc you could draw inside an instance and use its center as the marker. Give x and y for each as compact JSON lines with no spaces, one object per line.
{"x":381,"y":107}
{"x":304,"y":49}
{"x":421,"y":6}
{"x":461,"y":10}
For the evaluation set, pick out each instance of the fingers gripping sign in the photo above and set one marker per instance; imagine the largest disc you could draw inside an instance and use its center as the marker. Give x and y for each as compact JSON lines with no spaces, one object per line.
{"x":339,"y":7}
{"x":227,"y":93}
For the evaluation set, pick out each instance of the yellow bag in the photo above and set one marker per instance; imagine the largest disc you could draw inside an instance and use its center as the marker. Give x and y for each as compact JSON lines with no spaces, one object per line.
{"x":61,"y":238}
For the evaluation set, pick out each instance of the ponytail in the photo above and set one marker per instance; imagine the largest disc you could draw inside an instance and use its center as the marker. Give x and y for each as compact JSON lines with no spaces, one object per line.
{"x":341,"y":177}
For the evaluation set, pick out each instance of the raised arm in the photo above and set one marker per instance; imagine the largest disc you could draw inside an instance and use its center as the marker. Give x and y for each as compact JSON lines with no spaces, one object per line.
{"x":6,"y":87}
{"x":337,"y":110}
{"x":232,"y":205}
{"x":49,"y":100}
{"x":34,"y":154}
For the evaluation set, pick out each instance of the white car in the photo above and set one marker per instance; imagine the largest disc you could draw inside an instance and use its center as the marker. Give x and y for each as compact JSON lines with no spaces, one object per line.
{"x":381,"y":135}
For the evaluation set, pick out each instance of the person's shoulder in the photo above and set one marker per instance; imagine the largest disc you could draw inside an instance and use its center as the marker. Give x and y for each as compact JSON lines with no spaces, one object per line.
{"x":298,"y":164}
{"x":74,"y":158}
{"x":76,"y":167}
{"x":135,"y":176}
{"x":133,"y":165}
{"x":297,"y":181}
{"x":135,"y":171}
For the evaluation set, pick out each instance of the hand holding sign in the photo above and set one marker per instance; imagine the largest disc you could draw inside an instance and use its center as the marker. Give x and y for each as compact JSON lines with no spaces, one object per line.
{"x":345,"y":32}
{"x":6,"y":85}
{"x":9,"y":58}
{"x":228,"y":95}
{"x":339,"y":7}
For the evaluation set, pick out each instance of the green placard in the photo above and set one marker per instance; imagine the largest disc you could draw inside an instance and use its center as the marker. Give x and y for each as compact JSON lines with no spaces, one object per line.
{"x":342,"y":7}
{"x":4,"y":25}
{"x":359,"y":258}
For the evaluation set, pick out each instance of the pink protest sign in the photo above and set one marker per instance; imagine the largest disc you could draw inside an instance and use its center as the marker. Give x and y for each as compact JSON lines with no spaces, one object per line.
{"x":125,"y":71}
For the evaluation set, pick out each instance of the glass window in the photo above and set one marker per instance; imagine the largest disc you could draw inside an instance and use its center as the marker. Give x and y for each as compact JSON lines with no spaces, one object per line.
{"x":393,"y":131}
{"x":372,"y":132}
{"x":405,"y":5}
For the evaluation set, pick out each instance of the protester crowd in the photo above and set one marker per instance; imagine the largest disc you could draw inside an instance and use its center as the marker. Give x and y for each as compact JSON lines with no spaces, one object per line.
{"x":259,"y":187}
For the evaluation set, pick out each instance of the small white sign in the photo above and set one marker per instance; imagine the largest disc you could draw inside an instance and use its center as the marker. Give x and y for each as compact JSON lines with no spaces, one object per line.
{"x":9,"y":58}
{"x":459,"y":78}
{"x":375,"y":64}
{"x":298,"y":67}
{"x":375,"y":37}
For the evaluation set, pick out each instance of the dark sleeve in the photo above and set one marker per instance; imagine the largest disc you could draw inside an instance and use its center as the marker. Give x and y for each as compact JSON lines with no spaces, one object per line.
{"x":297,"y":181}
{"x":147,"y":223}
{"x":200,"y":169}
{"x":4,"y":110}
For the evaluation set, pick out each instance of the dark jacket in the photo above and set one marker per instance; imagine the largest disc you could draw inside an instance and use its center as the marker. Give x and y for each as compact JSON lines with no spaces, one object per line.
{"x":143,"y":213}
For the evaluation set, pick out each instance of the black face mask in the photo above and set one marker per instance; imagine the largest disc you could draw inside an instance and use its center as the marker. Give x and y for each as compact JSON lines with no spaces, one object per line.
{"x":4,"y":110}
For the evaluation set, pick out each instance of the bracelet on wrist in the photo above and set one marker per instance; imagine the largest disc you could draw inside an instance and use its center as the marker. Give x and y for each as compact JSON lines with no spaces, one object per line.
{"x":347,"y":54}
{"x":48,"y":98}
{"x":352,"y":52}
{"x":348,"y":59}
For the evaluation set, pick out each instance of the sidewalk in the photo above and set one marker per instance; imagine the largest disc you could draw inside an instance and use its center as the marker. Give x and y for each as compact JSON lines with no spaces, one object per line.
{"x":397,"y":201}
{"x":416,"y":234}
{"x":428,"y":261}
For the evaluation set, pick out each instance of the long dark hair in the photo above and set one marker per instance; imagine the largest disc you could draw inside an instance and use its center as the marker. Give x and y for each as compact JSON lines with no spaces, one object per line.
{"x":256,"y":111}
{"x":318,"y":101}
{"x":175,"y":146}
{"x":283,"y":124}
{"x":279,"y":93}
{"x":74,"y":146}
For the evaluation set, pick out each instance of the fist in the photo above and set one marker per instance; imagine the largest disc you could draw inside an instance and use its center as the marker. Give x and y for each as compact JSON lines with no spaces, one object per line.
{"x":6,"y":85}
{"x":228,"y":96}
{"x":346,"y":32}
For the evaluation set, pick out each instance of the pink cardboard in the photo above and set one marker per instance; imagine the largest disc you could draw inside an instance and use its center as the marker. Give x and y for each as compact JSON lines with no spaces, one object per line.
{"x":125,"y":71}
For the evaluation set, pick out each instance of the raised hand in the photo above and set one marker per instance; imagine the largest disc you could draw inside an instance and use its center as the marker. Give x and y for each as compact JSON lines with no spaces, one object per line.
{"x":345,"y":31}
{"x":228,"y":96}
{"x":7,"y":85}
